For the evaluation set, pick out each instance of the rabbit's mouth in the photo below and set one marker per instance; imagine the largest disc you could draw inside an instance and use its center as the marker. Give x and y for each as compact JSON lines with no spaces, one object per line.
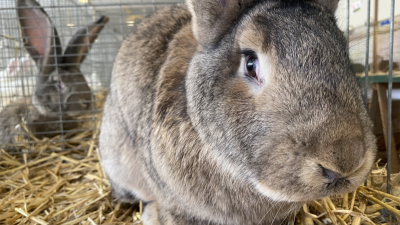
{"x":312,"y":181}
{"x":304,"y":193}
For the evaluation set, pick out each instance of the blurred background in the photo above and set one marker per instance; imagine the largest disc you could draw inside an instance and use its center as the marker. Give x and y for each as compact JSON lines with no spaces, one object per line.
{"x":70,"y":15}
{"x":358,"y":29}
{"x":18,"y":71}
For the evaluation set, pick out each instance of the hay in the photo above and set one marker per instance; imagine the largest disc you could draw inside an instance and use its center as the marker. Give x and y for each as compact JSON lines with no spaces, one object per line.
{"x":48,"y":186}
{"x":55,"y":187}
{"x":367,"y":205}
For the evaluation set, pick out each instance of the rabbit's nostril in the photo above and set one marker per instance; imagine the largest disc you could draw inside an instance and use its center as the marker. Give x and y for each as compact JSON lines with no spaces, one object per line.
{"x":331,"y":175}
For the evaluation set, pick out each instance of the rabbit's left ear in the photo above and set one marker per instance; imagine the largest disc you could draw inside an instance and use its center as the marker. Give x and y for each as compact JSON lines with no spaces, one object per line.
{"x":211,"y":19}
{"x":40,"y":36}
{"x":81,"y":42}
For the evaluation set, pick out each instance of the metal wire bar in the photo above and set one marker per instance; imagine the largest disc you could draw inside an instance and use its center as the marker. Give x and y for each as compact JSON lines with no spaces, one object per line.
{"x":67,"y":17}
{"x":348,"y":24}
{"x":390,"y":89}
{"x":367,"y":50}
{"x":58,"y":91}
{"x":107,"y":6}
{"x":367,"y":58}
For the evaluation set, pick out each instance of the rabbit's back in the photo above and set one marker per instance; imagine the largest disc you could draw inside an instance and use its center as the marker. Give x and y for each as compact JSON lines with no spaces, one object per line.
{"x":9,"y":119}
{"x":149,"y":75}
{"x":136,"y":77}
{"x":152,"y":38}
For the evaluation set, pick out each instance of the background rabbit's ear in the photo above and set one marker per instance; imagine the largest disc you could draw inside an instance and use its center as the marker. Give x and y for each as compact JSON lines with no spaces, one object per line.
{"x":331,"y":5}
{"x":213,"y":18}
{"x":40,"y":36}
{"x":13,"y":65}
{"x":81,"y":42}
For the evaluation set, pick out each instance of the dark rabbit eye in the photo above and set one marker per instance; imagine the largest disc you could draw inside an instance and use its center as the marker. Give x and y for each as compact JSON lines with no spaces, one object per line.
{"x":252,"y":66}
{"x":60,"y":86}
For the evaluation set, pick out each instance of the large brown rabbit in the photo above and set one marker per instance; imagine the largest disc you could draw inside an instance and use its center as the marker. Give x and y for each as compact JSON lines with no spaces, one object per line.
{"x":62,"y":91}
{"x":235,"y":112}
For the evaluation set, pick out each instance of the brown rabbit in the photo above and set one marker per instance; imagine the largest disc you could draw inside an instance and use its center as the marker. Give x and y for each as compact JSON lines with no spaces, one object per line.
{"x":235,"y":112}
{"x":384,"y":66}
{"x":61,"y":92}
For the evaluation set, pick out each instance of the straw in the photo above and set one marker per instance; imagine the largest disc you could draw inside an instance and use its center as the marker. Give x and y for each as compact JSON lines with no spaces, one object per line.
{"x":48,"y":187}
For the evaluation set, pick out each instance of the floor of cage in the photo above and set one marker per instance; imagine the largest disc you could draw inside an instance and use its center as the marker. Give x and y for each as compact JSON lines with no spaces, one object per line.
{"x":43,"y":186}
{"x":71,"y":188}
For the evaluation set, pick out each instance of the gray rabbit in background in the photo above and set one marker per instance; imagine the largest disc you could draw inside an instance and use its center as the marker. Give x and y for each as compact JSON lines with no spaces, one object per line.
{"x":235,"y":112}
{"x":61,"y":91}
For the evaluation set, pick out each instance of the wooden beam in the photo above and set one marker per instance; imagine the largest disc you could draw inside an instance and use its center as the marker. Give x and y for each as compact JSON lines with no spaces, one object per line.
{"x":383,"y":106}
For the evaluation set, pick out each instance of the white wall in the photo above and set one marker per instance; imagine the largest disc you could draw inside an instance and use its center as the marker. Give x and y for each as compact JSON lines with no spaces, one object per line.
{"x":359,"y":18}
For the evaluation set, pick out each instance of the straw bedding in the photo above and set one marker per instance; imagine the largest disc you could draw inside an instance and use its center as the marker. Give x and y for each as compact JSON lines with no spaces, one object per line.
{"x":56,"y":187}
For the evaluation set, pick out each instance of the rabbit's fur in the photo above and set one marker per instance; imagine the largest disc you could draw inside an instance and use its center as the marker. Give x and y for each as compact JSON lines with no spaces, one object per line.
{"x":384,"y":66}
{"x":187,"y":131}
{"x":61,"y":92}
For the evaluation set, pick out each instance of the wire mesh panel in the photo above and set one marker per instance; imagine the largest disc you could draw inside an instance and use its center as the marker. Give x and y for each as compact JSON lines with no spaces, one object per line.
{"x":358,"y":40}
{"x":374,"y":51}
{"x":36,"y":104}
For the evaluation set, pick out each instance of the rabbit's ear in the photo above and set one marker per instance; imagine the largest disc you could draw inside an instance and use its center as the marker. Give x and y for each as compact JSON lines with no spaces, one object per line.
{"x":81,"y":42}
{"x":13,"y":65}
{"x":40,"y":36}
{"x":211,"y":19}
{"x":331,"y":5}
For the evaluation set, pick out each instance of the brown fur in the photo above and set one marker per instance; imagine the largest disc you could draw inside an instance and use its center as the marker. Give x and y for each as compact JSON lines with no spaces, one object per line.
{"x":204,"y":144}
{"x":384,"y":66}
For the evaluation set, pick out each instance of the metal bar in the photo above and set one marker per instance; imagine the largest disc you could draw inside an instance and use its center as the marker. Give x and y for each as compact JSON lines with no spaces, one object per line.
{"x":60,"y":110}
{"x":367,"y":58}
{"x":348,"y":24}
{"x":26,"y":99}
{"x":375,"y":43}
{"x":367,"y":50}
{"x":100,"y":6}
{"x":390,"y":87}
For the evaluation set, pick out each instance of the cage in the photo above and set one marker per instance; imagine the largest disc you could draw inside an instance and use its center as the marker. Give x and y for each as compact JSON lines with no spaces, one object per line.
{"x":53,"y":175}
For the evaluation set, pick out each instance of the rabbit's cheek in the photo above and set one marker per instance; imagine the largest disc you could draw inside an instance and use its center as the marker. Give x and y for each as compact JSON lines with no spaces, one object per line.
{"x":271,"y":193}
{"x":294,"y":186}
{"x":37,"y":105}
{"x":305,"y":174}
{"x":66,"y":99}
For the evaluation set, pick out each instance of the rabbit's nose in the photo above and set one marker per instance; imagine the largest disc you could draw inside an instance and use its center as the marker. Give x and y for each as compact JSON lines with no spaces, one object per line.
{"x":331,"y":175}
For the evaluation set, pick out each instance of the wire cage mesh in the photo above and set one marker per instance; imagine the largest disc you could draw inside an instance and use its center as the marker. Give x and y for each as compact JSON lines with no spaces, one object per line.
{"x":19,"y":73}
{"x":358,"y":40}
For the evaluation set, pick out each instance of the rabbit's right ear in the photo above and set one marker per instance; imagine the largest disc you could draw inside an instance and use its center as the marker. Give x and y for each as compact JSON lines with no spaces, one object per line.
{"x":40,"y":37}
{"x":211,"y":19}
{"x":80,"y":44}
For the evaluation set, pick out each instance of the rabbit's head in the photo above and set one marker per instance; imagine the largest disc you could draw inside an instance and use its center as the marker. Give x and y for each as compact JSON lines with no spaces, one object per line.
{"x":61,"y":86}
{"x":272,"y":94}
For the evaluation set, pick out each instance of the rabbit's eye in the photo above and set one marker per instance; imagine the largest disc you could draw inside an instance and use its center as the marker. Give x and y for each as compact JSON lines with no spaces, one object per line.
{"x":252,"y":66}
{"x":60,"y":86}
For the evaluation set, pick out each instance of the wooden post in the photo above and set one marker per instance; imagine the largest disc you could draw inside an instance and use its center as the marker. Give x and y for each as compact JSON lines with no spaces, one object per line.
{"x":383,"y":106}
